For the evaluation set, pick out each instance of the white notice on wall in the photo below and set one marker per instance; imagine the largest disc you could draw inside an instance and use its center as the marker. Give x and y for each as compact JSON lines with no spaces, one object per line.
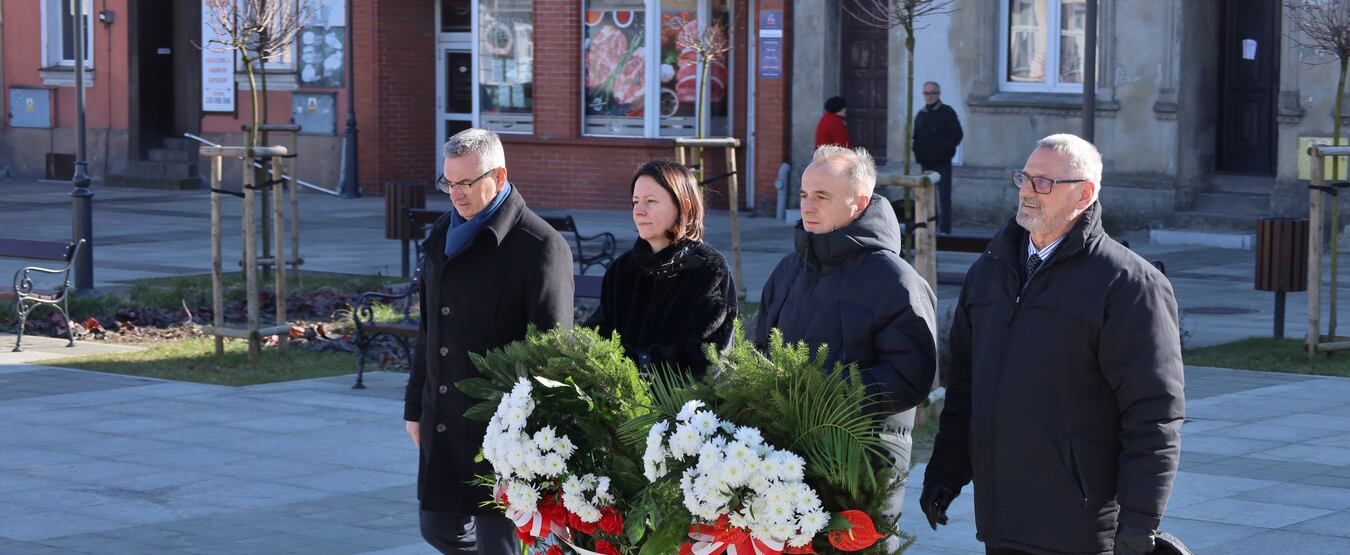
{"x":1249,"y":49}
{"x":217,"y":69}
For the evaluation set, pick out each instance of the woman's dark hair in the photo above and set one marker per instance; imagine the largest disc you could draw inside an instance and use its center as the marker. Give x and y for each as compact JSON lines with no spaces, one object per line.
{"x":680,"y":182}
{"x":835,"y":104}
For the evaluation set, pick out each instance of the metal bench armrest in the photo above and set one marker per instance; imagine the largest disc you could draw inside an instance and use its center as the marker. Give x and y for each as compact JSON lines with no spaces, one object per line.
{"x":23,"y":279}
{"x":364,"y":312}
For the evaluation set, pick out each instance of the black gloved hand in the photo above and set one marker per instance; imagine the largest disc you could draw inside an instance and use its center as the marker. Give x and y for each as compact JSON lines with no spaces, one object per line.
{"x":1134,"y":541}
{"x":934,"y":501}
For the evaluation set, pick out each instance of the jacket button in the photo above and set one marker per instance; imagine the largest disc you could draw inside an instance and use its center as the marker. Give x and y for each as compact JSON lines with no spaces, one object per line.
{"x":445,"y":311}
{"x":443,"y":389}
{"x":445,"y":351}
{"x":440,"y":427}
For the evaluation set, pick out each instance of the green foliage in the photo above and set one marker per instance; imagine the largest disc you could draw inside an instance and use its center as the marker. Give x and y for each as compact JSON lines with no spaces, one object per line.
{"x":584,"y":386}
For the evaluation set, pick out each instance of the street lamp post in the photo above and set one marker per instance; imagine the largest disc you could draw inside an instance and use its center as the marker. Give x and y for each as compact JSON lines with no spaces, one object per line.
{"x":82,"y":217}
{"x":350,"y":183}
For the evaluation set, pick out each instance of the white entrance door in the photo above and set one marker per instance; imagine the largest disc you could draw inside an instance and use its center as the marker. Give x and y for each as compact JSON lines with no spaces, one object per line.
{"x":454,"y":71}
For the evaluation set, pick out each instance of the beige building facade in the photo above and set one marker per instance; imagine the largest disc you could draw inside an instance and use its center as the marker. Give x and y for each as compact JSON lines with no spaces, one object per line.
{"x":1202,"y":107}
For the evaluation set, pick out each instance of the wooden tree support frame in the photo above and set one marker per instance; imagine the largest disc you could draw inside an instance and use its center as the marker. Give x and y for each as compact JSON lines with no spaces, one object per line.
{"x":686,"y":150}
{"x":1318,"y":194}
{"x":291,"y":183}
{"x":253,"y":332}
{"x":925,"y":236}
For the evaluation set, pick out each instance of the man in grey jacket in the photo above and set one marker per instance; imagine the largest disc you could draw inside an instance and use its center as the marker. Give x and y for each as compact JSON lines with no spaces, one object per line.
{"x":1064,"y":399}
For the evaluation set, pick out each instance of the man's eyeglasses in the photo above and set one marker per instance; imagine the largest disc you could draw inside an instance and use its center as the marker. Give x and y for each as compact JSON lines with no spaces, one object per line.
{"x":445,"y":186}
{"x":1041,"y":185}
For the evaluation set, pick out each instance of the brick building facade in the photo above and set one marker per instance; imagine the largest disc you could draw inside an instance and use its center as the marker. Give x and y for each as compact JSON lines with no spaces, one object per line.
{"x":566,"y":83}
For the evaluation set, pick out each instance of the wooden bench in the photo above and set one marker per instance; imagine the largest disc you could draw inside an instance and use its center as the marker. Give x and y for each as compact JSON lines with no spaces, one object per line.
{"x":594,"y":250}
{"x":26,"y":294}
{"x":404,"y":331}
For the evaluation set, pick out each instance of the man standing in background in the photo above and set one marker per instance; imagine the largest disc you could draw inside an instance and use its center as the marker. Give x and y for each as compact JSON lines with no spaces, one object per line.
{"x":937,"y":132}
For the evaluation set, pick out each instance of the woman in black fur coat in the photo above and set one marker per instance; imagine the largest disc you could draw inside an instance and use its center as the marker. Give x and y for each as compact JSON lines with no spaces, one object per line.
{"x":672,"y":294}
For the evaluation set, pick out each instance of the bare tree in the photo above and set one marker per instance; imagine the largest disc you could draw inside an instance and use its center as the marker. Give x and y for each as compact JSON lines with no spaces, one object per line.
{"x":907,"y":15}
{"x":258,"y":30}
{"x":1324,"y":26}
{"x":710,"y":45}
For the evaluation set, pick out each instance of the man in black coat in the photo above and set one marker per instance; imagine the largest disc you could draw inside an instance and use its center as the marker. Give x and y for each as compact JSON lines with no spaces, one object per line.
{"x":1064,"y":398}
{"x":492,"y":268}
{"x":847,"y":288}
{"x":937,"y":132}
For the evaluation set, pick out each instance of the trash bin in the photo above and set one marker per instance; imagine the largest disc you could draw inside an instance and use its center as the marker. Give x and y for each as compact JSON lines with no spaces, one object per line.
{"x":1281,"y":260}
{"x":399,"y":196}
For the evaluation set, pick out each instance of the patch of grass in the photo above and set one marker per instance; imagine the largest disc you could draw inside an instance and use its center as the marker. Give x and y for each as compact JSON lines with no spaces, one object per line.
{"x":168,"y":292}
{"x":194,"y":360}
{"x":1270,"y":355}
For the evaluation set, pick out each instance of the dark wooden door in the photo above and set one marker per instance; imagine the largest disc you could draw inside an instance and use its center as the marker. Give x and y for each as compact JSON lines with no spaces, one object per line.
{"x":155,"y":81}
{"x":1249,"y":78}
{"x":862,"y":75}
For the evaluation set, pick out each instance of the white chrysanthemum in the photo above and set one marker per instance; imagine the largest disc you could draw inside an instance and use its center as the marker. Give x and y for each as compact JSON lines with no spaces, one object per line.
{"x":812,"y":522}
{"x":685,"y":442}
{"x":564,"y":447}
{"x":688,"y":410}
{"x":546,"y":438}
{"x":749,"y":436}
{"x":522,"y":496}
{"x":705,"y":422}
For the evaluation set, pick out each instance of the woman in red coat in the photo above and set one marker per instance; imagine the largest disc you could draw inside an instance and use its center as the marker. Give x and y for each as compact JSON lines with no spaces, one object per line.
{"x":832,"y":130}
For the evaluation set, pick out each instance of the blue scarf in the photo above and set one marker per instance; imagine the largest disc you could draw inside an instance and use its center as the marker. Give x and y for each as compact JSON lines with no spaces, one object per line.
{"x":461,"y":232}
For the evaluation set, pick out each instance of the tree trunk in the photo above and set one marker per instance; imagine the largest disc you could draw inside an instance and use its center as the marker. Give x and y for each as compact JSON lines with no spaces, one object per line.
{"x":909,"y":96}
{"x":252,"y":135}
{"x":1335,"y":203}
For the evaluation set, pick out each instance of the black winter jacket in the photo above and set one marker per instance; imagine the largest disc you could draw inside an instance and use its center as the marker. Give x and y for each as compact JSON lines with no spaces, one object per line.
{"x":936,"y":135}
{"x":850,"y":290}
{"x":517,"y":272}
{"x":1064,"y":401}
{"x":667,"y":305}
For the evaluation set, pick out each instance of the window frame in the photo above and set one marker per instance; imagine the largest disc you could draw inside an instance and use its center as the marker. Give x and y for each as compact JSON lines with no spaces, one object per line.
{"x":518,"y":126}
{"x":53,"y":36}
{"x":651,"y":119}
{"x":1052,"y":35}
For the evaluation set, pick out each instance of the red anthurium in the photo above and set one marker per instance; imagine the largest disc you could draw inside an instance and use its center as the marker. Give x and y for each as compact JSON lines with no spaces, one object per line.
{"x":605,"y":548}
{"x":554,"y":550}
{"x":861,"y":536}
{"x":611,"y":521}
{"x":523,"y":534}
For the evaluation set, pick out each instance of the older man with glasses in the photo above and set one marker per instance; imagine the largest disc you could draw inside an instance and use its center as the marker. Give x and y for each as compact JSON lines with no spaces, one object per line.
{"x":1064,"y":395}
{"x":492,"y":268}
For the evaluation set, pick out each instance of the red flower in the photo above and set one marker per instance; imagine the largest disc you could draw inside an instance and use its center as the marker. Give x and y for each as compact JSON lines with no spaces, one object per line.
{"x":611,"y":521}
{"x":524,"y":535}
{"x":579,"y":525}
{"x":554,"y":550}
{"x":803,"y":550}
{"x":553,"y":511}
{"x":605,"y":548}
{"x":857,"y":538}
{"x":686,"y":548}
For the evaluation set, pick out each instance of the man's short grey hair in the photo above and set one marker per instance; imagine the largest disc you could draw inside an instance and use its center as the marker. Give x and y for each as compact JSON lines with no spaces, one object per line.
{"x":486,"y":144}
{"x":862,"y":169}
{"x":934,"y":84}
{"x":1085,"y":162}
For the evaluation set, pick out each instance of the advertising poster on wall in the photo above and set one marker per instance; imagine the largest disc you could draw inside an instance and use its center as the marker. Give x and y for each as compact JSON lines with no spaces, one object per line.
{"x":217,"y":69}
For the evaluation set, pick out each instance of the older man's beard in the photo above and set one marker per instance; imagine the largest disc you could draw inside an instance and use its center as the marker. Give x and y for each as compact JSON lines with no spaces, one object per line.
{"x":1029,"y":222}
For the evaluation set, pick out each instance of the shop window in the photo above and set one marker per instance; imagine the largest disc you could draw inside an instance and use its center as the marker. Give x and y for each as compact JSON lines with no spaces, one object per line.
{"x":1043,"y":45}
{"x":58,"y":33}
{"x":506,"y":65}
{"x":638,"y":81}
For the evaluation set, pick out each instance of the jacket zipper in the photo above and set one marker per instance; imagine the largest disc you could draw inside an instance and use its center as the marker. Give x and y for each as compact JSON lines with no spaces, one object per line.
{"x":1077,"y":476}
{"x":1017,"y":304}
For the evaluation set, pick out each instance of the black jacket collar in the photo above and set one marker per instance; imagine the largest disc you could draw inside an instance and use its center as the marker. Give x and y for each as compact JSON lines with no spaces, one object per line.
{"x":1010,"y":244}
{"x":875,"y":230}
